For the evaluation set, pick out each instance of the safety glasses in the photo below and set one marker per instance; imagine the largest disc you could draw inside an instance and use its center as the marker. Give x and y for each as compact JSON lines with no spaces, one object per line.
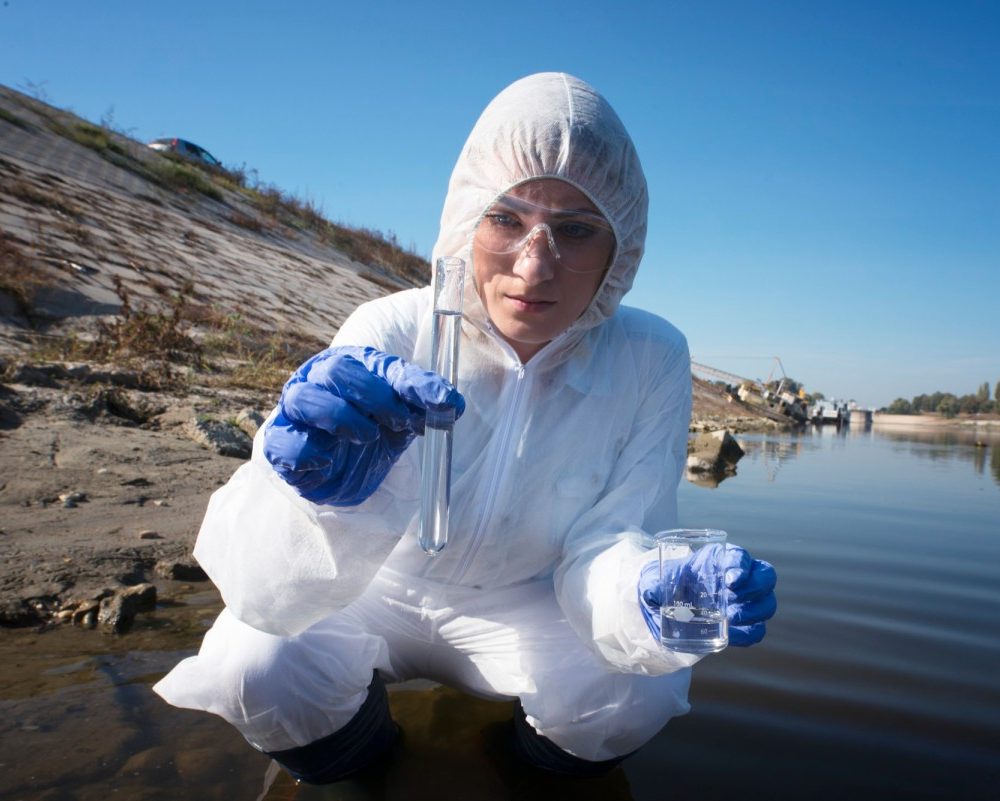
{"x":581,"y":240}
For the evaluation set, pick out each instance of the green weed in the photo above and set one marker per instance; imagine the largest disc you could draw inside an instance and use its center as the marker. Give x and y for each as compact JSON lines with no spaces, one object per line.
{"x":13,"y":119}
{"x":96,"y":138}
{"x":180,"y":175}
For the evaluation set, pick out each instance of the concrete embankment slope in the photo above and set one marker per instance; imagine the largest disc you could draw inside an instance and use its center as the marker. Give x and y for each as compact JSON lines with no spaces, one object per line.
{"x":83,"y":207}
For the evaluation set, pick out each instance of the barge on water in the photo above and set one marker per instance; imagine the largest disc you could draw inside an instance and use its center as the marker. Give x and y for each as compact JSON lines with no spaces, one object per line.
{"x":829,"y":413}
{"x":832,"y":412}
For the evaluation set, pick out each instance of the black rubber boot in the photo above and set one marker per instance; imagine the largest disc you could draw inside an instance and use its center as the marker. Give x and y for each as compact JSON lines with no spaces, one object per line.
{"x":352,"y":748}
{"x":542,"y":753}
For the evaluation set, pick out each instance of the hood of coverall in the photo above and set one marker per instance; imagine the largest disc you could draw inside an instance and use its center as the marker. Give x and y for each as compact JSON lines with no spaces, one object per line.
{"x":550,"y":125}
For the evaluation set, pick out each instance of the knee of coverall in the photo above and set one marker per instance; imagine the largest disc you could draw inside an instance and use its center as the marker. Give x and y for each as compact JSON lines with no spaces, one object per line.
{"x":285,"y":692}
{"x":608,"y":716}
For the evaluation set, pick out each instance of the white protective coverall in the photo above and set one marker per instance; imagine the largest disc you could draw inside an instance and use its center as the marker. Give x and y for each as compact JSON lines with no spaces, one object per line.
{"x":562,"y":468}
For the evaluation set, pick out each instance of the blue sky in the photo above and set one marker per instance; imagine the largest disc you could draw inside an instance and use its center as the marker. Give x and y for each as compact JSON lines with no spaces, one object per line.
{"x":824,"y":176}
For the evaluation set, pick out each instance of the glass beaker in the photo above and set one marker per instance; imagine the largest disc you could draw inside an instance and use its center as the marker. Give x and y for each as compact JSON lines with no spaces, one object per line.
{"x":693,"y":579}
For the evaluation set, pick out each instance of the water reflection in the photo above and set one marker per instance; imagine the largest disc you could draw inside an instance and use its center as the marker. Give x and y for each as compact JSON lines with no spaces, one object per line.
{"x":980,"y":447}
{"x":78,"y":719}
{"x":707,"y":480}
{"x":770,"y":454}
{"x":886,"y":647}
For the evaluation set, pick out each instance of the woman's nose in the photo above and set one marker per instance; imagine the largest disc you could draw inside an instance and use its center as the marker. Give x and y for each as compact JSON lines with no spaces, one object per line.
{"x":536,"y":261}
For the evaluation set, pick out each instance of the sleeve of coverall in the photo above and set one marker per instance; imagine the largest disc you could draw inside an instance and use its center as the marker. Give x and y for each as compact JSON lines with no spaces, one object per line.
{"x":596,"y":580}
{"x":281,"y":562}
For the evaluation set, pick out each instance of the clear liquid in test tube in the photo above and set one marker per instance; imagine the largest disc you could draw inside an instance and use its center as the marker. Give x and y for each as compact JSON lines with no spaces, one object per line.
{"x":435,"y":483}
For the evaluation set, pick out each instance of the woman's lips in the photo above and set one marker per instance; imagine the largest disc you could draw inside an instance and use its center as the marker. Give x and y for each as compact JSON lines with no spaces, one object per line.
{"x":524,"y":304}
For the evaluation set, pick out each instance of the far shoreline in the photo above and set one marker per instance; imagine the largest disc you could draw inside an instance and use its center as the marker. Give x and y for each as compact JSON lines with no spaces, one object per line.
{"x":936,"y":421}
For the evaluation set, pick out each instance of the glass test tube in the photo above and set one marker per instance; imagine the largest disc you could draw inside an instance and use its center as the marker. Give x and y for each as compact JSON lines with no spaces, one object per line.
{"x":435,"y":482}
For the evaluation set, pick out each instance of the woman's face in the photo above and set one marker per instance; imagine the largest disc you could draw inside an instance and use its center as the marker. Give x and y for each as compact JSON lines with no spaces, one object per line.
{"x":530,"y":293}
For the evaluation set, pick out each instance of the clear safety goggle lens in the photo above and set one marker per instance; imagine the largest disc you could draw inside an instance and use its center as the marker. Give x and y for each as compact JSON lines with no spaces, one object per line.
{"x":582,"y":241}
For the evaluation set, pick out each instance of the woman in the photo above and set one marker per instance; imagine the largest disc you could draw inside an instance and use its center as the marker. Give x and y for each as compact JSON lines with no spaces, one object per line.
{"x":567,"y":456}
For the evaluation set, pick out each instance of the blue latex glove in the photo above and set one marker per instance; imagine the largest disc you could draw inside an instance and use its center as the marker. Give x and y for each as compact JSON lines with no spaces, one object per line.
{"x":749,"y":583}
{"x":346,"y":416}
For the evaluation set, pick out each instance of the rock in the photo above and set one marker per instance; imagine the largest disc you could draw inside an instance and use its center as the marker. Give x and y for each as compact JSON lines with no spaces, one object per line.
{"x":222,"y":437}
{"x":9,"y":416}
{"x":714,"y":452}
{"x":85,"y":614}
{"x":708,"y":480}
{"x":71,"y":499}
{"x":180,"y":570}
{"x":149,"y":534}
{"x":18,"y":613}
{"x":34,"y":375}
{"x":86,"y":594}
{"x":117,"y":613}
{"x":144,"y":596}
{"x":114,"y":405}
{"x":250,"y":420}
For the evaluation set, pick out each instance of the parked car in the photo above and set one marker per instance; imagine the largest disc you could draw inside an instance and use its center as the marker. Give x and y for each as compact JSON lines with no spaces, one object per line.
{"x":188,"y":150}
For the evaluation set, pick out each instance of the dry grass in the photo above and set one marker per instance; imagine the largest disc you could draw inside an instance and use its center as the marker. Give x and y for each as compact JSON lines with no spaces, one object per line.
{"x":156,"y":345}
{"x":249,"y":222}
{"x":364,"y":245}
{"x":247,"y":356}
{"x":185,"y":342}
{"x":143,"y":333}
{"x":20,"y":276}
{"x":23,"y":190}
{"x":373,"y":247}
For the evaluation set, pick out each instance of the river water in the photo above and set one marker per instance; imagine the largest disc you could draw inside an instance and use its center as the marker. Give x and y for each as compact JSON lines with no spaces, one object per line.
{"x":879,"y":677}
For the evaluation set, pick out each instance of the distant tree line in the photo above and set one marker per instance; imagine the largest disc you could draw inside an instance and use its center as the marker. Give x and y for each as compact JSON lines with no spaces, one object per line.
{"x":949,"y":405}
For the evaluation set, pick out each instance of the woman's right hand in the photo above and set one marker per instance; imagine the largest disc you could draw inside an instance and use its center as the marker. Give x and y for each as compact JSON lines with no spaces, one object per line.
{"x":345,"y":417}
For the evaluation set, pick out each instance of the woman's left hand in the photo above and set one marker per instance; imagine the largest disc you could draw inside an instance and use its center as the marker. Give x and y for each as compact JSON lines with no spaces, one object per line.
{"x":750,"y":600}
